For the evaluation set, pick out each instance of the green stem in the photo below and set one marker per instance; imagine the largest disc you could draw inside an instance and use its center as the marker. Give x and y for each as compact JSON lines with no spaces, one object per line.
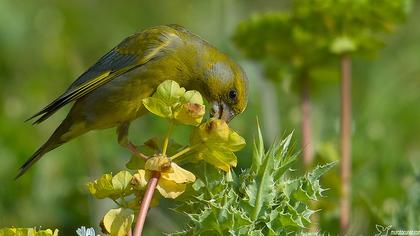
{"x":123,"y":201}
{"x":183,"y":151}
{"x":166,"y":140}
{"x":116,"y":202}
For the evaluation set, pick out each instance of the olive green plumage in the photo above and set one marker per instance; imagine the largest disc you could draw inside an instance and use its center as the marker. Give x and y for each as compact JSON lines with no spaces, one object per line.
{"x":110,"y":93}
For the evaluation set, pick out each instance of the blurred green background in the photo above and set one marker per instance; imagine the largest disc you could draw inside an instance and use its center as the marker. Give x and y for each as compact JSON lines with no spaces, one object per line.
{"x":45,"y":45}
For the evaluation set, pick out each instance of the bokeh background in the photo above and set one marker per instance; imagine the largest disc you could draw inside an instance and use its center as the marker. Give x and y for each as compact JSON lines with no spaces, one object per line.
{"x":45,"y":45}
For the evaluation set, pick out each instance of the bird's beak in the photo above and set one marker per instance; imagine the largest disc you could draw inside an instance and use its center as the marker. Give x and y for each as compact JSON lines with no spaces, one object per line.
{"x":222,"y":111}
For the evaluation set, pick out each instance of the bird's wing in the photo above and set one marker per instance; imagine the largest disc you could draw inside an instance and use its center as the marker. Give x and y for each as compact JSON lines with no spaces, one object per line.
{"x":130,"y":54}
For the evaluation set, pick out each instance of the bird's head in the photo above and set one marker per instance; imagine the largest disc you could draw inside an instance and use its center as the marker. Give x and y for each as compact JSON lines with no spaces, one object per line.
{"x":228,"y":89}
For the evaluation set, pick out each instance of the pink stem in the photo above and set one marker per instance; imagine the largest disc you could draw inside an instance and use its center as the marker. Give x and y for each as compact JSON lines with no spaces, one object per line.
{"x":145,"y":203}
{"x":306,"y":124}
{"x":345,"y":144}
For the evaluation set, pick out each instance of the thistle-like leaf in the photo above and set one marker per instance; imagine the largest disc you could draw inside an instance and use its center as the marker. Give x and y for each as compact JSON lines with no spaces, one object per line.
{"x":261,"y":200}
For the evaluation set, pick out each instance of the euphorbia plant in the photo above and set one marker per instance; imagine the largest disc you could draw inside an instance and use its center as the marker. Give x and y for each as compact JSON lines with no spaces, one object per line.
{"x":262,"y":199}
{"x":212,"y":141}
{"x":265,"y":199}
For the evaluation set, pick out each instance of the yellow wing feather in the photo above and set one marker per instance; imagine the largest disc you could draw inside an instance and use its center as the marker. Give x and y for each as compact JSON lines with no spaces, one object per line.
{"x":131,"y":53}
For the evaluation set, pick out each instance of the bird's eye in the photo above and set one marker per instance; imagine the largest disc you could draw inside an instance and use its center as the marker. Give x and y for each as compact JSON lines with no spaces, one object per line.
{"x":232,"y":94}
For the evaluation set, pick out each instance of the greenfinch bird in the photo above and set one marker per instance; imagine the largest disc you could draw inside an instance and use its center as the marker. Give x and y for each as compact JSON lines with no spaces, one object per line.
{"x":109,"y":94}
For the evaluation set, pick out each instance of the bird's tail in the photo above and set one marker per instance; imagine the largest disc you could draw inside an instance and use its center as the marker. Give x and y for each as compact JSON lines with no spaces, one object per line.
{"x":53,"y":142}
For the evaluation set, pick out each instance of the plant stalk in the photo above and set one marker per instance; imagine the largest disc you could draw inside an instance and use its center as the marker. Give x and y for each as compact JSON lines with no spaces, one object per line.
{"x":166,"y":140}
{"x":183,"y":151}
{"x":345,"y":144}
{"x":306,"y":127}
{"x":145,"y":203}
{"x":306,"y":141}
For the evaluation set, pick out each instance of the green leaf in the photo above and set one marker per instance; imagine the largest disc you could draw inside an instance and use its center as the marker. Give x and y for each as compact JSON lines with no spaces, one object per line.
{"x":111,"y":187}
{"x":167,"y":97}
{"x":290,"y":186}
{"x":264,"y":190}
{"x":102,"y":187}
{"x":140,"y":179}
{"x":198,"y":184}
{"x":283,"y":159}
{"x":157,"y":107}
{"x":121,"y":181}
{"x":192,"y":96}
{"x":135,"y":163}
{"x":258,"y":151}
{"x":170,"y":101}
{"x":117,"y":222}
{"x":307,"y":188}
{"x":342,"y":45}
{"x":169,"y":92}
{"x":321,"y":170}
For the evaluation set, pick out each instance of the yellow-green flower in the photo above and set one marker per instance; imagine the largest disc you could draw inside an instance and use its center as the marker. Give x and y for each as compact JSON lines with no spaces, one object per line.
{"x":27,"y":232}
{"x":117,"y":222}
{"x":173,"y":179}
{"x":216,"y":143}
{"x":172,"y":102}
{"x":108,"y":186}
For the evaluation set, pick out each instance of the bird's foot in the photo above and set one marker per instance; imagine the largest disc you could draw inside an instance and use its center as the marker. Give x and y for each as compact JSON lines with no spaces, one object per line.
{"x":135,"y":151}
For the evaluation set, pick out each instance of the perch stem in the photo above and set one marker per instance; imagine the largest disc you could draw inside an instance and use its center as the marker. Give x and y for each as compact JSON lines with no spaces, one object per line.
{"x":145,"y":203}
